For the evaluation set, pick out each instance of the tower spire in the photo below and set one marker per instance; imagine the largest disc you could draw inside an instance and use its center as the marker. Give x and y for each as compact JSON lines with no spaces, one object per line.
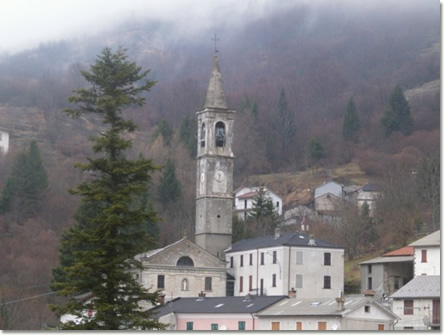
{"x":215,"y":97}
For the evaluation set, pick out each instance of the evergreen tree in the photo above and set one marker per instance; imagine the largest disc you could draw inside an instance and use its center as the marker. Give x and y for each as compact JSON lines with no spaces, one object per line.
{"x":397,"y":116}
{"x":315,"y":151}
{"x":188,"y":134}
{"x":263,"y":215}
{"x":169,"y":187}
{"x":166,"y":131}
{"x":284,"y":125}
{"x":111,"y":228}
{"x":351,"y":125}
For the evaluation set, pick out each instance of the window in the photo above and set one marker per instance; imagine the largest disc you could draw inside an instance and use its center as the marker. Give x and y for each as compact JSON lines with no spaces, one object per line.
{"x":298,"y":325}
{"x":367,"y":309}
{"x":262,"y":287}
{"x":245,"y":203}
{"x":396,"y":283}
{"x":220,"y":134}
{"x":299,"y":258}
{"x":380,"y":326}
{"x":369,"y":269}
{"x":277,"y":204}
{"x":262,"y":258}
{"x":251,"y":259}
{"x":241,"y":284}
{"x":214,"y":326}
{"x":322,"y":325}
{"x":423,"y":256}
{"x":202,"y":135}
{"x":369,"y":283}
{"x":231,"y":262}
{"x":405,"y":328}
{"x":161,"y":281}
{"x":185,"y":284}
{"x":327,"y":258}
{"x":274,"y":257}
{"x":208,"y":283}
{"x":273,"y":280}
{"x":275,"y":325}
{"x":241,"y":325}
{"x":408,"y":307}
{"x":242,"y":260}
{"x":327,"y":282}
{"x":298,"y":281}
{"x":250,"y":283}
{"x":185,"y":261}
{"x":190,"y":325}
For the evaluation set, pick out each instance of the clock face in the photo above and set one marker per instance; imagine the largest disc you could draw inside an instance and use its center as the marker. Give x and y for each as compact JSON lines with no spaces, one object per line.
{"x":219,"y":175}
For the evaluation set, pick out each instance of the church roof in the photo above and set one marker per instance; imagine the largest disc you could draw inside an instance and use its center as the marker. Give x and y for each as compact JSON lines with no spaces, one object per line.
{"x":215,"y":97}
{"x":289,"y":239}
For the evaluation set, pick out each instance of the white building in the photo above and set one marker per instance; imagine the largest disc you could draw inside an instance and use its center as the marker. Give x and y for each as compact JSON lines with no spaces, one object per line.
{"x":279,"y":264}
{"x":418,"y":304}
{"x":427,"y":255}
{"x":369,"y":194}
{"x":352,"y":313}
{"x":4,"y":140}
{"x":244,"y":198}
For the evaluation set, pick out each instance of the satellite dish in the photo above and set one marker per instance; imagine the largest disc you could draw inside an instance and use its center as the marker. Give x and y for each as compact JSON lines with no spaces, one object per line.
{"x":334,"y":327}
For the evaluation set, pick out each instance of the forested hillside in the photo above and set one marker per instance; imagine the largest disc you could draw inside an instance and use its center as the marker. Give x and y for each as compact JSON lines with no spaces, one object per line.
{"x":290,"y":75}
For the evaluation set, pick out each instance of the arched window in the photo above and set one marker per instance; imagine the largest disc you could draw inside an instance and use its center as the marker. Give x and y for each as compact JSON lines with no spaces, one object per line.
{"x":184,"y":284}
{"x":220,"y":134}
{"x":202,"y":135}
{"x":185,"y":261}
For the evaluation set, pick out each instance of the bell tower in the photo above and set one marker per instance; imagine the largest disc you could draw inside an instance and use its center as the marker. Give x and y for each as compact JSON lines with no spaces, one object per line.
{"x":214,"y":191}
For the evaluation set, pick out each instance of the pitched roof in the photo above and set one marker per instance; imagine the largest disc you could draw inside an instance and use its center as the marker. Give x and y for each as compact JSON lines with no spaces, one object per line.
{"x":420,"y":287}
{"x":320,"y":306}
{"x":434,"y":239}
{"x":393,"y":259}
{"x":371,"y":188}
{"x":217,"y":305}
{"x":215,"y":97}
{"x":287,"y":239}
{"x":405,"y":251}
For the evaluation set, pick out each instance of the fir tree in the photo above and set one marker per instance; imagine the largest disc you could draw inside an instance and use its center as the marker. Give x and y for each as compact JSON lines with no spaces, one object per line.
{"x":111,"y":230}
{"x":165,"y":130}
{"x":263,"y":215}
{"x":315,"y":151}
{"x":397,"y":116}
{"x":351,"y":125}
{"x":284,"y":125}
{"x":188,"y":134}
{"x":169,"y":187}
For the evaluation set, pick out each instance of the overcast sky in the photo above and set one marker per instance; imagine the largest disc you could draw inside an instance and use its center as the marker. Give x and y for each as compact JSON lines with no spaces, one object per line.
{"x":27,"y":23}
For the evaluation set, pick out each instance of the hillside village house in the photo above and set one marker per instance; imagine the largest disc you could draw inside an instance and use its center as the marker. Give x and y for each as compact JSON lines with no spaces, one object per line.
{"x":418,"y":304}
{"x":427,"y":255}
{"x":244,"y":200}
{"x":292,"y":262}
{"x":355,"y":312}
{"x":369,"y":194}
{"x":4,"y":140}
{"x":221,"y":313}
{"x":387,"y":274}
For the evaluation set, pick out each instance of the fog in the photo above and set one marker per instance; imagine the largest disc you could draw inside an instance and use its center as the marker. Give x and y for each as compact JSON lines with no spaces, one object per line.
{"x":27,"y":23}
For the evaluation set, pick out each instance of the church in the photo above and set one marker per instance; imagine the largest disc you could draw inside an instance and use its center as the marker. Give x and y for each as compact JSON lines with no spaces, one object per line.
{"x":186,"y":268}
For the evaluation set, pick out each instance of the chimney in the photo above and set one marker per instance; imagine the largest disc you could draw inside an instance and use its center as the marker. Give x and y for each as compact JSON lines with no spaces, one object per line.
{"x":340,"y":300}
{"x":292,"y":293}
{"x":161,"y":299}
{"x":312,"y":240}
{"x":277,"y":233}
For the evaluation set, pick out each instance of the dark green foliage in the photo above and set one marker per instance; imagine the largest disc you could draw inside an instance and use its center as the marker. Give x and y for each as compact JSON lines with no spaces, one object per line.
{"x":166,"y":131}
{"x":26,"y":185}
{"x":284,"y":125}
{"x":351,"y":125}
{"x":315,"y":150}
{"x":263,"y":215}
{"x":188,"y":134}
{"x":169,"y":188}
{"x":97,"y":253}
{"x":397,"y":115}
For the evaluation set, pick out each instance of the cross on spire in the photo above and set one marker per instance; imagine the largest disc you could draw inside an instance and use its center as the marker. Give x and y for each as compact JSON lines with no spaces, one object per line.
{"x":215,"y":39}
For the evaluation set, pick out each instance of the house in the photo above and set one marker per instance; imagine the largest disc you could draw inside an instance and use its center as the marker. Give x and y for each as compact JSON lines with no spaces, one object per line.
{"x":386,"y":274}
{"x":369,"y":194}
{"x":427,"y":255}
{"x":355,"y":312}
{"x":182,"y":269}
{"x":4,"y":140}
{"x":300,"y":214}
{"x":418,"y":304}
{"x":244,"y":200}
{"x":213,"y":313}
{"x":283,"y":263}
